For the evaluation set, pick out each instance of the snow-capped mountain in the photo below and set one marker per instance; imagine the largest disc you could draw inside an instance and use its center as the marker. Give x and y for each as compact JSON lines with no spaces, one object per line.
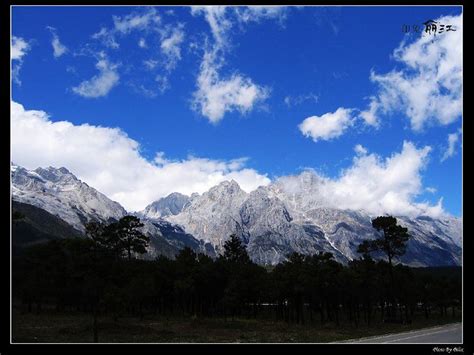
{"x":166,"y":206}
{"x":212,"y":215}
{"x":272,"y":233}
{"x":62,"y":194}
{"x":291,"y":215}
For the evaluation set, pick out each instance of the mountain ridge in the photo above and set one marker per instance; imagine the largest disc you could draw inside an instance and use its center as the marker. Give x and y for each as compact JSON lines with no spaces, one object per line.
{"x":288,"y":215}
{"x":62,"y":195}
{"x":273,"y":221}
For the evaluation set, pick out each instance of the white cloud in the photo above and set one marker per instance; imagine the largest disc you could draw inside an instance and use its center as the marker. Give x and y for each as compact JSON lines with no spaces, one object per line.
{"x":431,"y":190}
{"x":19,"y":48}
{"x":257,"y":13}
{"x":298,"y":100}
{"x":100,"y":84}
{"x":328,"y":126}
{"x":110,"y":161}
{"x":370,"y":115}
{"x":215,"y":96}
{"x":142,"y":43}
{"x":58,"y":48}
{"x":376,"y":185}
{"x":360,"y":149}
{"x":143,"y":90}
{"x":162,"y":82}
{"x":453,"y":139}
{"x":218,"y":19}
{"x":16,"y":73}
{"x":150,"y":28}
{"x":107,"y":37}
{"x":221,"y":19}
{"x":150,"y":64}
{"x":171,"y":47}
{"x":384,"y":185}
{"x":136,"y":21}
{"x":428,"y":89}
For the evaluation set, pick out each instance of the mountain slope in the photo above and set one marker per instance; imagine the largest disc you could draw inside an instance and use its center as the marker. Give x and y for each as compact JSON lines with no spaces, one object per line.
{"x":212,"y":215}
{"x":167,"y":206}
{"x":291,"y":215}
{"x":37,"y":226}
{"x":62,"y":194}
{"x":62,"y":200}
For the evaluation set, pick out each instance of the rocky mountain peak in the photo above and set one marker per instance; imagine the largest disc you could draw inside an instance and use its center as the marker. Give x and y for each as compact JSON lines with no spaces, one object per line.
{"x":166,"y":206}
{"x":289,"y":215}
{"x":226,"y":187}
{"x":62,"y":194}
{"x":54,"y":175}
{"x":292,"y":214}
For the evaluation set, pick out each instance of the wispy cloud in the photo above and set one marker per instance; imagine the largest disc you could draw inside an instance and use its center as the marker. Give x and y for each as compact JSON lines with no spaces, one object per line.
{"x":360,"y":149}
{"x":19,"y":48}
{"x":162,"y":82}
{"x":136,"y":21}
{"x":142,"y":43}
{"x":453,"y":139}
{"x":216,"y":95}
{"x":146,"y":20}
{"x":291,"y":101}
{"x":151,"y":27}
{"x":370,"y":114}
{"x":222,"y":19}
{"x":58,"y":48}
{"x":101,"y":84}
{"x":150,"y":63}
{"x":171,"y":47}
{"x":431,"y":190}
{"x":218,"y":20}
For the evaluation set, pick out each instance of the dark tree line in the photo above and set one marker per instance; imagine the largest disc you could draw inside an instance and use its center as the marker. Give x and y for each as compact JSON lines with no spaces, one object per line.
{"x":101,"y":275}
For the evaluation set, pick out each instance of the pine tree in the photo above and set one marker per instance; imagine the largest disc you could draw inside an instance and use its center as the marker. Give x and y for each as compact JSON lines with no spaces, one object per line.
{"x":131,"y":239}
{"x":393,"y":242}
{"x":235,"y":251}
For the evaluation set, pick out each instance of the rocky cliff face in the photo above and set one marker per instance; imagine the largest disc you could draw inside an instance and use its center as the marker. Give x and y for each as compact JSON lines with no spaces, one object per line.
{"x":212,"y":215}
{"x":62,"y":194}
{"x":290,"y":215}
{"x":168,"y":206}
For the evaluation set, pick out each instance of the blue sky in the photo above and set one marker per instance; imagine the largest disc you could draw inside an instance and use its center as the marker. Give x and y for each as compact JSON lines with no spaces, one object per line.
{"x":244,"y":93}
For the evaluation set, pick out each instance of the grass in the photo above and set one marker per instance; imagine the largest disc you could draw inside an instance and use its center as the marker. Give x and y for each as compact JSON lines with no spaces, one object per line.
{"x":54,"y":327}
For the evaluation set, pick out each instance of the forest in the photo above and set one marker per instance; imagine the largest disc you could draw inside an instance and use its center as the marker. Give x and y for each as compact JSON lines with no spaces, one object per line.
{"x":105,"y":275}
